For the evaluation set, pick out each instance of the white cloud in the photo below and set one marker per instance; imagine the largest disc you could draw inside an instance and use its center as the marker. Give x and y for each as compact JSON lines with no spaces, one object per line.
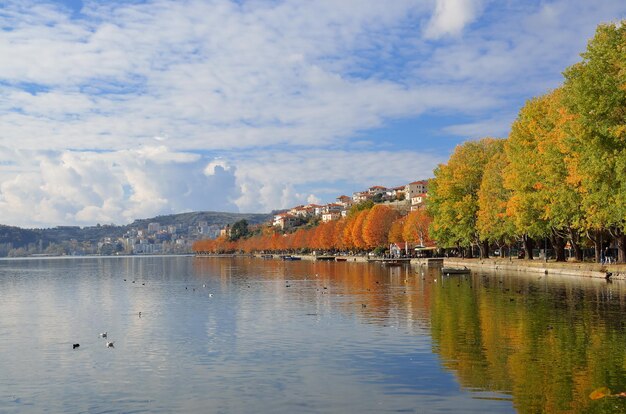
{"x":118,"y":112}
{"x":73,"y":187}
{"x":495,"y":127}
{"x":270,"y":180}
{"x":242,"y":75}
{"x":451,"y":16}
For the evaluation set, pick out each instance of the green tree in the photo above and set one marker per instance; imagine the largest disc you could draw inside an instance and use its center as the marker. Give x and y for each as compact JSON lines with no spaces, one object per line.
{"x":453,"y":195}
{"x":493,"y":222}
{"x":543,"y":200}
{"x":239,"y":229}
{"x":595,"y":91}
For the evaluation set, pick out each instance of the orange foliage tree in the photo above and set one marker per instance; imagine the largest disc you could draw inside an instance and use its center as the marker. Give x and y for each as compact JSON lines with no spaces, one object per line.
{"x":416,"y":227}
{"x":377,"y":225}
{"x":395,"y":233}
{"x":357,"y":230}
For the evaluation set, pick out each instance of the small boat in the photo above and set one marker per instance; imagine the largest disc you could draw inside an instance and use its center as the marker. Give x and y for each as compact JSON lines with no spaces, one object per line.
{"x":288,"y":257}
{"x":455,"y":270}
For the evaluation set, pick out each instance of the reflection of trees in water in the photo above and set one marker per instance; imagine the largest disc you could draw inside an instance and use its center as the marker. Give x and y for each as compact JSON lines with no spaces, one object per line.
{"x":391,"y":295}
{"x":548,"y":345}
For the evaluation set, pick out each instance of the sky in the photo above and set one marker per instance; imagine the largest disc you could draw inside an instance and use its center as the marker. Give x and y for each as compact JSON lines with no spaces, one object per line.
{"x":116,"y":110}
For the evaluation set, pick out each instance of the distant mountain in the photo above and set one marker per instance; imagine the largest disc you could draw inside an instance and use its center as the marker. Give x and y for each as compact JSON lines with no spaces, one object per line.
{"x":16,"y":237}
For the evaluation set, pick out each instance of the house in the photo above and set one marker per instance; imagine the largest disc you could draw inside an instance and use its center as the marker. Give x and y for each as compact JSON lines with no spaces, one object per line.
{"x":302,"y":211}
{"x":415,"y":188}
{"x":392,"y":193}
{"x":154,"y":228}
{"x":377,"y":189}
{"x":332,"y":208}
{"x":326,"y":217}
{"x":284,"y":220}
{"x":310,"y":209}
{"x":418,"y":201}
{"x":345,"y":201}
{"x":225,"y":232}
{"x":361,"y":196}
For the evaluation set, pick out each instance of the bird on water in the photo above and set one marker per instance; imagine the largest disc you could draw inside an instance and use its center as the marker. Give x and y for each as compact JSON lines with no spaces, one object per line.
{"x":75,"y":346}
{"x":110,"y":345}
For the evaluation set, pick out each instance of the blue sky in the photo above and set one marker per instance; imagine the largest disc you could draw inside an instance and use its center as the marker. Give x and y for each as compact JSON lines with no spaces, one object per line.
{"x":114,"y":110}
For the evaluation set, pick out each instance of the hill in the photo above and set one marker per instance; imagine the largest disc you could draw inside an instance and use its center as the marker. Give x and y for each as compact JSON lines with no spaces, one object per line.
{"x":38,"y":239}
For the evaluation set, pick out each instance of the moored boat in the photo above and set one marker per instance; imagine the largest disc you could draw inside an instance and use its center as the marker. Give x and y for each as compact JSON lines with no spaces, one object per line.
{"x":289,"y":257}
{"x":455,"y":270}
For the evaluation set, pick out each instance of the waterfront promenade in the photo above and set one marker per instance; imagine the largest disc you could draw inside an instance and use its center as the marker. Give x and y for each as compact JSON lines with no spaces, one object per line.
{"x":616,"y":271}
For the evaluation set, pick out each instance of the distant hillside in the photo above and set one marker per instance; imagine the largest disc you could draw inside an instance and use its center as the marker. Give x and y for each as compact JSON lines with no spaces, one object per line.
{"x":16,"y":237}
{"x":211,"y":217}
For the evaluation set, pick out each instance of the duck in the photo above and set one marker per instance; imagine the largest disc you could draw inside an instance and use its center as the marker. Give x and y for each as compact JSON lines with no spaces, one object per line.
{"x":103,"y":335}
{"x":110,"y":345}
{"x":74,"y":346}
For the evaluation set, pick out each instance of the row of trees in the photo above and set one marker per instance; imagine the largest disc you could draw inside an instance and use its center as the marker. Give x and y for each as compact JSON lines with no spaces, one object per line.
{"x":367,"y":227}
{"x":560,"y":174}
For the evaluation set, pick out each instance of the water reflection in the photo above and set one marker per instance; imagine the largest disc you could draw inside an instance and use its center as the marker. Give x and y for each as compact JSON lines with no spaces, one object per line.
{"x":545,"y":342}
{"x":251,"y":335}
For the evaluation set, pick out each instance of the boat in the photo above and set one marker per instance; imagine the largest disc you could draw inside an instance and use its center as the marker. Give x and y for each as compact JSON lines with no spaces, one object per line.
{"x":455,"y":270}
{"x":392,"y":263}
{"x":289,"y":257}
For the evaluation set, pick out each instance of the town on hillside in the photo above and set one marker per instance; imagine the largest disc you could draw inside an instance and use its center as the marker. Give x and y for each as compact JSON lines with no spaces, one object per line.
{"x":397,"y":223}
{"x":409,"y":197}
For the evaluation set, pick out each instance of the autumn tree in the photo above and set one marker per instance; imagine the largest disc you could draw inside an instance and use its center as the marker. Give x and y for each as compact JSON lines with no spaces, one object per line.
{"x":338,"y":231}
{"x":377,"y":225}
{"x":416,"y":227}
{"x":543,"y":201}
{"x":453,"y":195}
{"x":357,"y":230}
{"x":346,"y":237}
{"x":395,"y":232}
{"x":595,"y":91}
{"x":493,"y":222}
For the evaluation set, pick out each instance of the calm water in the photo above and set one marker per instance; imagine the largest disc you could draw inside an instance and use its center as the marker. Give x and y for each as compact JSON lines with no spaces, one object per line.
{"x":263,"y":336}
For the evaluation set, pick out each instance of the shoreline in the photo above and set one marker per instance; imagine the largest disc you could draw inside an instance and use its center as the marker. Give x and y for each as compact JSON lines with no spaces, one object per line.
{"x":586,"y":270}
{"x":593,"y":270}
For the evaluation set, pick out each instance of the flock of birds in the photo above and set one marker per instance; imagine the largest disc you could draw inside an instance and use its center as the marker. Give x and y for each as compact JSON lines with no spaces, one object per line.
{"x":106,"y":334}
{"x":111,"y":344}
{"x":102,"y":335}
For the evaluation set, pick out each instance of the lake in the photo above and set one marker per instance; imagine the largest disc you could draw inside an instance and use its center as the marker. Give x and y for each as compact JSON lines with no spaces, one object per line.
{"x":249,"y":335}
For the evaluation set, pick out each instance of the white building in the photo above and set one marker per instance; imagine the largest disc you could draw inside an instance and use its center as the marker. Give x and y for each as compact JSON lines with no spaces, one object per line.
{"x":415,"y":188}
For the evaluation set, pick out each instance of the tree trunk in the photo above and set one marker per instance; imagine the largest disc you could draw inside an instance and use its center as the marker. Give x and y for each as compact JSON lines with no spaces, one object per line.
{"x":558,"y":243}
{"x":596,"y":237}
{"x":470,"y":254}
{"x":483,"y":249}
{"x":529,"y":244}
{"x":621,"y":248}
{"x":574,"y":238}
